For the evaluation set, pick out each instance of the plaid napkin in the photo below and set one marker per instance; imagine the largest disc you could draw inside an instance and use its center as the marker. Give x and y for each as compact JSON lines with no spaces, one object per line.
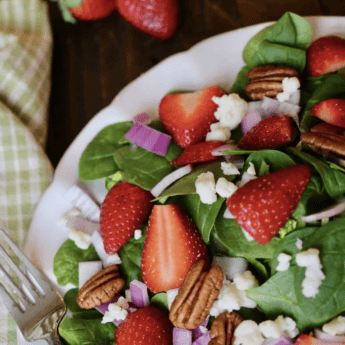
{"x":25,"y":171}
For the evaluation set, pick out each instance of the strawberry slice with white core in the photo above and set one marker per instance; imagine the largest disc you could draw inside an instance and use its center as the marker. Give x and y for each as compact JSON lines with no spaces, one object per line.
{"x":262,"y":206}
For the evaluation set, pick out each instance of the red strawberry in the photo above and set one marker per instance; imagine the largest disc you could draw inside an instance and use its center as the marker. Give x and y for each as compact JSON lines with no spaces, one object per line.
{"x":147,"y":325}
{"x":93,"y":9}
{"x":123,"y":210}
{"x":188,"y":116}
{"x":305,"y":339}
{"x":262,"y":206}
{"x":157,"y":18}
{"x":200,"y":152}
{"x":325,"y":55}
{"x":325,"y":127}
{"x":269,"y":133}
{"x":331,"y":111}
{"x":172,"y":245}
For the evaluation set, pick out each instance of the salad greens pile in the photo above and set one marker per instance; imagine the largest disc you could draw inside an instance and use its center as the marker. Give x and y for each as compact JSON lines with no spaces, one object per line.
{"x":111,"y":156}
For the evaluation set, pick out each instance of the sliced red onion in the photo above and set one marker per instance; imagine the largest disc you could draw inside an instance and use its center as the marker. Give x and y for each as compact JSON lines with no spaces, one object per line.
{"x":171,"y":294}
{"x":295,"y":98}
{"x":104,"y":307}
{"x":231,"y":266}
{"x":254,"y":106}
{"x":87,"y":269}
{"x":199,"y":331}
{"x":182,"y":336}
{"x":280,"y":341}
{"x":218,"y":150}
{"x":327,"y":213}
{"x":250,"y":120}
{"x":332,"y":339}
{"x":272,"y":107}
{"x":79,"y":223}
{"x":143,"y":118}
{"x":169,"y":179}
{"x":203,"y":340}
{"x":238,"y":160}
{"x":228,"y":214}
{"x":139,"y":293}
{"x":149,"y":138}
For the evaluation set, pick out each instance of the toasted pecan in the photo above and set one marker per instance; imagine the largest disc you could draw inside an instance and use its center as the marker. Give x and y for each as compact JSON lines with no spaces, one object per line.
{"x":223,"y":328}
{"x":101,"y":288}
{"x":272,"y":71}
{"x":196,"y":296}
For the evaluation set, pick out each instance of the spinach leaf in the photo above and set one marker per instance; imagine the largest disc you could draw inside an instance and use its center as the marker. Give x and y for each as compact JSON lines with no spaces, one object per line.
{"x":70,"y":299}
{"x":160,"y":300}
{"x":130,"y":254}
{"x":140,"y":167}
{"x":97,"y":159}
{"x":67,"y":259}
{"x":203,"y":215}
{"x":87,"y":332}
{"x":231,"y":235}
{"x":333,"y":179}
{"x":332,"y":86}
{"x":282,"y":293}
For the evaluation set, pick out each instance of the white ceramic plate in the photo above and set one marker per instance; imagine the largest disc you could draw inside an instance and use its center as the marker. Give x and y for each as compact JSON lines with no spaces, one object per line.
{"x":216,"y":60}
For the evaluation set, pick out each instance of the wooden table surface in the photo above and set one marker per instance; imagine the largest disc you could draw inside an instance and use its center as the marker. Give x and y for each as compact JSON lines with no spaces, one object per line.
{"x":93,"y":61}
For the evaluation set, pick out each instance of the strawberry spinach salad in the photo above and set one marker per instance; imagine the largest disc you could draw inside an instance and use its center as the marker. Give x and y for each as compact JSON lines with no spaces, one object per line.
{"x":278,"y":292}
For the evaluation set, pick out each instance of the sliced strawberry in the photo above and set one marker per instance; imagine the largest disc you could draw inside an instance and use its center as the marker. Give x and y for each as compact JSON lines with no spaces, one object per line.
{"x":306,"y":339}
{"x":188,"y":116}
{"x":172,"y":245}
{"x":325,"y":127}
{"x":93,"y":9}
{"x":156,"y":18}
{"x":197,"y":153}
{"x":326,"y":55}
{"x":147,"y":325}
{"x":123,"y":210}
{"x":331,"y":111}
{"x":269,"y":133}
{"x":262,"y":206}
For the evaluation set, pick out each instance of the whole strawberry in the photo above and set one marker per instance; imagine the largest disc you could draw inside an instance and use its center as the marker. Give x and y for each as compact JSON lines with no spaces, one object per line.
{"x":148,"y":325}
{"x":262,"y":206}
{"x":123,"y":210}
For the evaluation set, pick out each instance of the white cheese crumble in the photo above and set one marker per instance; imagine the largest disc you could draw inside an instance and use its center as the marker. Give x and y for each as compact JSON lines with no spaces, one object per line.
{"x":225,"y":188}
{"x":283,"y":262}
{"x":218,"y":132}
{"x":203,"y":329}
{"x":81,"y":239}
{"x":206,"y":188}
{"x":281,"y":326}
{"x":313,"y":274}
{"x":290,"y":85}
{"x":248,"y":333}
{"x":335,"y":327}
{"x":137,"y":234}
{"x":231,"y":110}
{"x":128,"y":295}
{"x":249,"y":174}
{"x":116,"y":311}
{"x":229,"y":168}
{"x":171,"y":295}
{"x":299,"y":243}
{"x":112,"y":259}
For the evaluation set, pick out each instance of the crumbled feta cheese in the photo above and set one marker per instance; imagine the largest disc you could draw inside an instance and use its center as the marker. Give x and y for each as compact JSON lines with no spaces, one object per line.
{"x":225,"y":188}
{"x":249,"y":174}
{"x":251,"y":169}
{"x":218,"y":132}
{"x":248,"y":333}
{"x":128,"y":295}
{"x":283,"y":262}
{"x":123,"y":303}
{"x":206,"y":188}
{"x":288,"y":326}
{"x":229,"y":168}
{"x":299,"y":243}
{"x":279,"y":327}
{"x":203,"y":329}
{"x":231,"y":110}
{"x":335,"y":327}
{"x":137,"y":234}
{"x":270,"y":329}
{"x":171,"y":295}
{"x":112,"y":259}
{"x":81,"y":239}
{"x":313,"y":274}
{"x":245,"y":281}
{"x":115,"y":312}
{"x":290,"y":85}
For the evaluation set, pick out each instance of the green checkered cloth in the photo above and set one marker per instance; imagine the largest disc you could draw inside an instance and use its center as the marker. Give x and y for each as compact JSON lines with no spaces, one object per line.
{"x":25,"y":171}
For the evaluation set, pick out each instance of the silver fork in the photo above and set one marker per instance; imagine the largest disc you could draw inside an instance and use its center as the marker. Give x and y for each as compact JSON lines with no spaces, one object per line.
{"x":34,"y":303}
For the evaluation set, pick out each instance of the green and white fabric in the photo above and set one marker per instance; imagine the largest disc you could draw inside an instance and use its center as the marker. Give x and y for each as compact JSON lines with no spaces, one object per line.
{"x":25,"y":171}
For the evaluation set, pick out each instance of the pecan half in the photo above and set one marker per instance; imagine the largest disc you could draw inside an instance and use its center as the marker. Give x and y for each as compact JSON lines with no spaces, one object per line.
{"x":196,"y":296}
{"x":267,"y":80}
{"x":101,"y":288}
{"x":325,"y":142}
{"x":223,"y":328}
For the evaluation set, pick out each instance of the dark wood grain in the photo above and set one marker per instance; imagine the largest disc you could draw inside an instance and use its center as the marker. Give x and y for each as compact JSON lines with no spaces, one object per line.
{"x":93,"y":61}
